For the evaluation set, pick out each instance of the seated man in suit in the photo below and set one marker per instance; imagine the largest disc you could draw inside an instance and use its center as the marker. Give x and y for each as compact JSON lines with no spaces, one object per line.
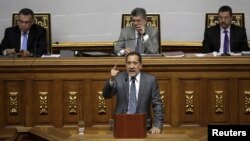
{"x":139,"y":37}
{"x":25,"y":39}
{"x":135,"y":92}
{"x":225,"y":37}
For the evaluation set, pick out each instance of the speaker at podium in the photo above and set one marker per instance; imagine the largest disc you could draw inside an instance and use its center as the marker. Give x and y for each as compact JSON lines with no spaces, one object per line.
{"x":130,"y":126}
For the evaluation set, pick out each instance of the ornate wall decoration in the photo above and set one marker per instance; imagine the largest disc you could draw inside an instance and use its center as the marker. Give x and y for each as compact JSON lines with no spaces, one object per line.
{"x":102,"y":108}
{"x":189,"y":101}
{"x":247,"y":101}
{"x":212,"y":19}
{"x":73,"y":102}
{"x":219,"y":100}
{"x":43,"y":102}
{"x":13,"y":97}
{"x":152,"y":20}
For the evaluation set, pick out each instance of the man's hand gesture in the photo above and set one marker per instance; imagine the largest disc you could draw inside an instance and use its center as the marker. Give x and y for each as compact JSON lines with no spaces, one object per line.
{"x":113,"y":72}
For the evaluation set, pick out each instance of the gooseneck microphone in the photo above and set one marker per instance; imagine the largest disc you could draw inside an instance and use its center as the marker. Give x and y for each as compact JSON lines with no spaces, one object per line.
{"x":123,"y":40}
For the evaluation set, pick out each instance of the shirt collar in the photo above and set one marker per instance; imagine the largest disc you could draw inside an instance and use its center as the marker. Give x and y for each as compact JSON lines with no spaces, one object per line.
{"x":137,"y":77}
{"x":228,"y":29}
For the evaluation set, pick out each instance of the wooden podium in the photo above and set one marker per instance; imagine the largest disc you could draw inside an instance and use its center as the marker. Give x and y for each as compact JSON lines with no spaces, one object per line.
{"x":130,"y":126}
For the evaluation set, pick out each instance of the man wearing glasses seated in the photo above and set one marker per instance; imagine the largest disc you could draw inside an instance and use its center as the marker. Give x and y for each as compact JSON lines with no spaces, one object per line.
{"x":25,"y":39}
{"x":139,"y":37}
{"x":225,"y":38}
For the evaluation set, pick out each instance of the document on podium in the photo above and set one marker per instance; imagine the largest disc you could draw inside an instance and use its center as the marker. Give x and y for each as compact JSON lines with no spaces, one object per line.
{"x":174,"y":54}
{"x":94,"y":53}
{"x":50,"y":56}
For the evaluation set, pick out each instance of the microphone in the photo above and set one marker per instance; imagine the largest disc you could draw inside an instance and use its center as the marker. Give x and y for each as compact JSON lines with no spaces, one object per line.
{"x":123,"y":40}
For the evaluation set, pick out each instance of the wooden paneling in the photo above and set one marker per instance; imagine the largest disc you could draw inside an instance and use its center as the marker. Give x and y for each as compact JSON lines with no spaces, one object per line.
{"x":102,"y":108}
{"x":14,"y":102}
{"x":244,"y":101}
{"x":72,"y":100}
{"x":61,"y":91}
{"x":190,"y":101}
{"x":43,"y":105}
{"x":164,"y":86}
{"x":218,"y":92}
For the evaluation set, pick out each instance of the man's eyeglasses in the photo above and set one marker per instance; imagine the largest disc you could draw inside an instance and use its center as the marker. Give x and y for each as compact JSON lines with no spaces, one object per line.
{"x":224,"y":18}
{"x":24,"y":22}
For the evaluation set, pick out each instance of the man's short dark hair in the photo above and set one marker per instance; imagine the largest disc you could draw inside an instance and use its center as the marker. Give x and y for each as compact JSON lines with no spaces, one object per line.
{"x":26,"y":11}
{"x":226,"y":8}
{"x":134,"y":53}
{"x":139,"y":12}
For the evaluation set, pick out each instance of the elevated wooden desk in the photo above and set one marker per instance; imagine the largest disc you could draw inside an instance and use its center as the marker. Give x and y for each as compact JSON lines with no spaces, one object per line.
{"x":103,"y":134}
{"x":60,"y":91}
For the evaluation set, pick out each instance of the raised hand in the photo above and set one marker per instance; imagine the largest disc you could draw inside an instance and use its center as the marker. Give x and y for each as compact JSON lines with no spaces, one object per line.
{"x":113,"y":72}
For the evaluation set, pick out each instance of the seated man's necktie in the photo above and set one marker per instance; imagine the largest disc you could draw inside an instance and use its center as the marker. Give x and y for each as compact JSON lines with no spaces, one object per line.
{"x":25,"y":40}
{"x":226,"y":43}
{"x":139,"y":44}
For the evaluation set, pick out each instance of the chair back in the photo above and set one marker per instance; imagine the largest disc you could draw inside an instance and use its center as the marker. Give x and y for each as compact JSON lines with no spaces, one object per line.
{"x":212,"y":19}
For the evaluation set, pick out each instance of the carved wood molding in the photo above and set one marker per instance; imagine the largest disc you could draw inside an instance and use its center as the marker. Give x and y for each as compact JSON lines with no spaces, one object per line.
{"x":189,"y":101}
{"x":72,"y":102}
{"x":13,"y":102}
{"x":247,"y":102}
{"x":102,"y":108}
{"x":219,"y":100}
{"x":43,"y":102}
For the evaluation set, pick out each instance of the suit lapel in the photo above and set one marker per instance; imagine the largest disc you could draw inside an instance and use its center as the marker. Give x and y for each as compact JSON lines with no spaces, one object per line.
{"x":132,"y":36}
{"x":232,"y":38}
{"x":126,"y":88}
{"x":217,"y":38}
{"x":18,"y":36}
{"x":141,"y":88}
{"x":31,"y":36}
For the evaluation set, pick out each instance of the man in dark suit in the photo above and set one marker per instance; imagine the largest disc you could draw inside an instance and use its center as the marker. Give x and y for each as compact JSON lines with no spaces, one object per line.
{"x":139,"y":37}
{"x":25,"y":39}
{"x":145,"y":92}
{"x":225,"y":37}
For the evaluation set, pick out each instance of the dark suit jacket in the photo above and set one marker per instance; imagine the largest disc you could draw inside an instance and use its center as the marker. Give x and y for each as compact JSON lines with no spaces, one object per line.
{"x":148,"y":94}
{"x":238,"y":39}
{"x":127,"y":39}
{"x":36,"y":40}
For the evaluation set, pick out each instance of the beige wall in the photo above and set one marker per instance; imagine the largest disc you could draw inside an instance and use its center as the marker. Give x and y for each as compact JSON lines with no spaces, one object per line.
{"x":100,"y":20}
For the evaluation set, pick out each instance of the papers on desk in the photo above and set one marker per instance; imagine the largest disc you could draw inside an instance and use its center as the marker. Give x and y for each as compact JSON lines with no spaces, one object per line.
{"x":51,"y":56}
{"x":93,"y":54}
{"x":151,"y":55}
{"x":173,"y":54}
{"x":245,"y":53}
{"x":200,"y":54}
